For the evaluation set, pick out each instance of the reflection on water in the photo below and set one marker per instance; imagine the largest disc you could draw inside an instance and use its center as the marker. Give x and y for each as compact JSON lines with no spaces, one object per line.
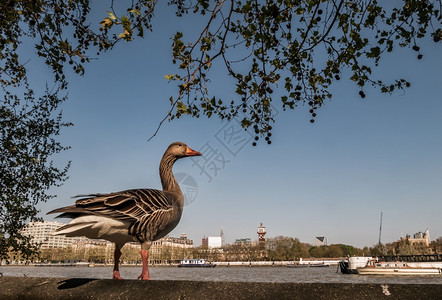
{"x":251,"y":274}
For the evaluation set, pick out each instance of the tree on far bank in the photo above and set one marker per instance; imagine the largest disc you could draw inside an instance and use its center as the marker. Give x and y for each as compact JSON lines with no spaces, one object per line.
{"x":282,"y":248}
{"x":335,"y":250}
{"x":436,"y":245}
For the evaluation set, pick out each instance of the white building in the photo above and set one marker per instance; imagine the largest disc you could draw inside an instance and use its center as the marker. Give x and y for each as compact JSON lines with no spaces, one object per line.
{"x":40,"y":233}
{"x":214,"y":242}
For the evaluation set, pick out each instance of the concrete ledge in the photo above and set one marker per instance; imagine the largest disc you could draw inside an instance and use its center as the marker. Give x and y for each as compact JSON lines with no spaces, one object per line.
{"x":81,"y":288}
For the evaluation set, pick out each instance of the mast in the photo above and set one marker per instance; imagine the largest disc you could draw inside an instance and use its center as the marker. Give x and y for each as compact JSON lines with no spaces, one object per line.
{"x":380,"y":230}
{"x":222,"y":237}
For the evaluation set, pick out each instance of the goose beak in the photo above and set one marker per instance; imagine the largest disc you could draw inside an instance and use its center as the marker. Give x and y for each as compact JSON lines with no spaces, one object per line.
{"x":190,"y":152}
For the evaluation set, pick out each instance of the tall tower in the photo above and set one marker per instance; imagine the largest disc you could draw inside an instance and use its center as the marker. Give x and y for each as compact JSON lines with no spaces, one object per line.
{"x":261,"y":236}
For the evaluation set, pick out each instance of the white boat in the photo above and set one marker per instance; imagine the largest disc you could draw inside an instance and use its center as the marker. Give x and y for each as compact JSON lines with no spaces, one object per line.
{"x":195,"y":263}
{"x":313,"y":263}
{"x":400,"y":268}
{"x":351,"y":264}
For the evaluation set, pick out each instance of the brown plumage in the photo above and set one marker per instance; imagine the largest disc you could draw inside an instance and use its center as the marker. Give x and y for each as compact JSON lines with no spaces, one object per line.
{"x":142,"y":215}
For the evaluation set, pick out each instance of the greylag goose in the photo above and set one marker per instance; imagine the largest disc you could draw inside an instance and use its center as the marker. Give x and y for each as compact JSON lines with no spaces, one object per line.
{"x":142,"y":215}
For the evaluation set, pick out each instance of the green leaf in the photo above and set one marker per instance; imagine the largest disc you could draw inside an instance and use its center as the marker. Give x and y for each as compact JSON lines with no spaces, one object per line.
{"x":111,"y":15}
{"x":181,"y":107}
{"x":374,"y":52}
{"x":135,"y":11}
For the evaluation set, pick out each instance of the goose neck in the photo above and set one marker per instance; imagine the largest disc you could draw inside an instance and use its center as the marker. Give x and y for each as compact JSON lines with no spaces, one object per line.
{"x":168,"y":181}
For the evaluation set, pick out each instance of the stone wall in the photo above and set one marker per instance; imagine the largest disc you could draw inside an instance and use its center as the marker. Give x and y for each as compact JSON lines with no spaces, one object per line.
{"x":59,"y":288}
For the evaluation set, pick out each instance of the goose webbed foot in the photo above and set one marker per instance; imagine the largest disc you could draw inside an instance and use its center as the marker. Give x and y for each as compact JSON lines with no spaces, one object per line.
{"x":144,"y":276}
{"x":116,"y":275}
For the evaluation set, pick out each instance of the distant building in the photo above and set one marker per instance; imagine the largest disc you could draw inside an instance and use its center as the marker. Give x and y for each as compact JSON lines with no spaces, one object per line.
{"x":214,"y":242}
{"x":90,"y":243}
{"x":168,"y":241}
{"x":243,"y":242}
{"x":40,"y":233}
{"x":163,"y":250}
{"x":419,"y":238}
{"x":320,"y":241}
{"x":261,"y":236}
{"x":170,"y":248}
{"x":84,"y":249}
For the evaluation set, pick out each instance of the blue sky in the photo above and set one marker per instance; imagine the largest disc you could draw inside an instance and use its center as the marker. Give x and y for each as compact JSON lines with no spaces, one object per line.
{"x":331,"y":178}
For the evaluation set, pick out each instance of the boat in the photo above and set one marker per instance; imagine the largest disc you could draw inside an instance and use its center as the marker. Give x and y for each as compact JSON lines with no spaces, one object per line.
{"x":308,"y":265}
{"x":55,"y":264}
{"x":375,"y":267}
{"x":312,"y":263}
{"x":351,"y":264}
{"x":412,"y":258}
{"x":195,"y":263}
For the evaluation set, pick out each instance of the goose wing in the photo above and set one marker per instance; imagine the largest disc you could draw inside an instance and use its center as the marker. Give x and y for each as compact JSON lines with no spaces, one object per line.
{"x":130,"y":205}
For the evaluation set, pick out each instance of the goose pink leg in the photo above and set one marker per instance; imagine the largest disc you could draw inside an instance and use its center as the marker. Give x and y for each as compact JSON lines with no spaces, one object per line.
{"x":116,"y":273}
{"x":145,"y":272}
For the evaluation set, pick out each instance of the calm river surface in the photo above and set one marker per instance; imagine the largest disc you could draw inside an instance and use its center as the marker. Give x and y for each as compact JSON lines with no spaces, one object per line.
{"x":251,"y":274}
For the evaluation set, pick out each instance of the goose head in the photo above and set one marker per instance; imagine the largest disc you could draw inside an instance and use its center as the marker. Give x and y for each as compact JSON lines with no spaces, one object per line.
{"x":180,"y":150}
{"x":175,"y":151}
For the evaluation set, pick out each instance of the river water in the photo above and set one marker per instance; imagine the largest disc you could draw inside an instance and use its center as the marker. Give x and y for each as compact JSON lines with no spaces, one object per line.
{"x":250,"y":274}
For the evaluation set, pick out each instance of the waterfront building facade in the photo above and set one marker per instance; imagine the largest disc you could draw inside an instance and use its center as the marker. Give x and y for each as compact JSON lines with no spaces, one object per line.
{"x":168,"y":249}
{"x":163,"y":249}
{"x":40,"y":233}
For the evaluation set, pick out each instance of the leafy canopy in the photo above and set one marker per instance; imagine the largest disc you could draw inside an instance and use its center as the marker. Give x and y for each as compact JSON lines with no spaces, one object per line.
{"x":28,"y":127}
{"x":298,"y":48}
